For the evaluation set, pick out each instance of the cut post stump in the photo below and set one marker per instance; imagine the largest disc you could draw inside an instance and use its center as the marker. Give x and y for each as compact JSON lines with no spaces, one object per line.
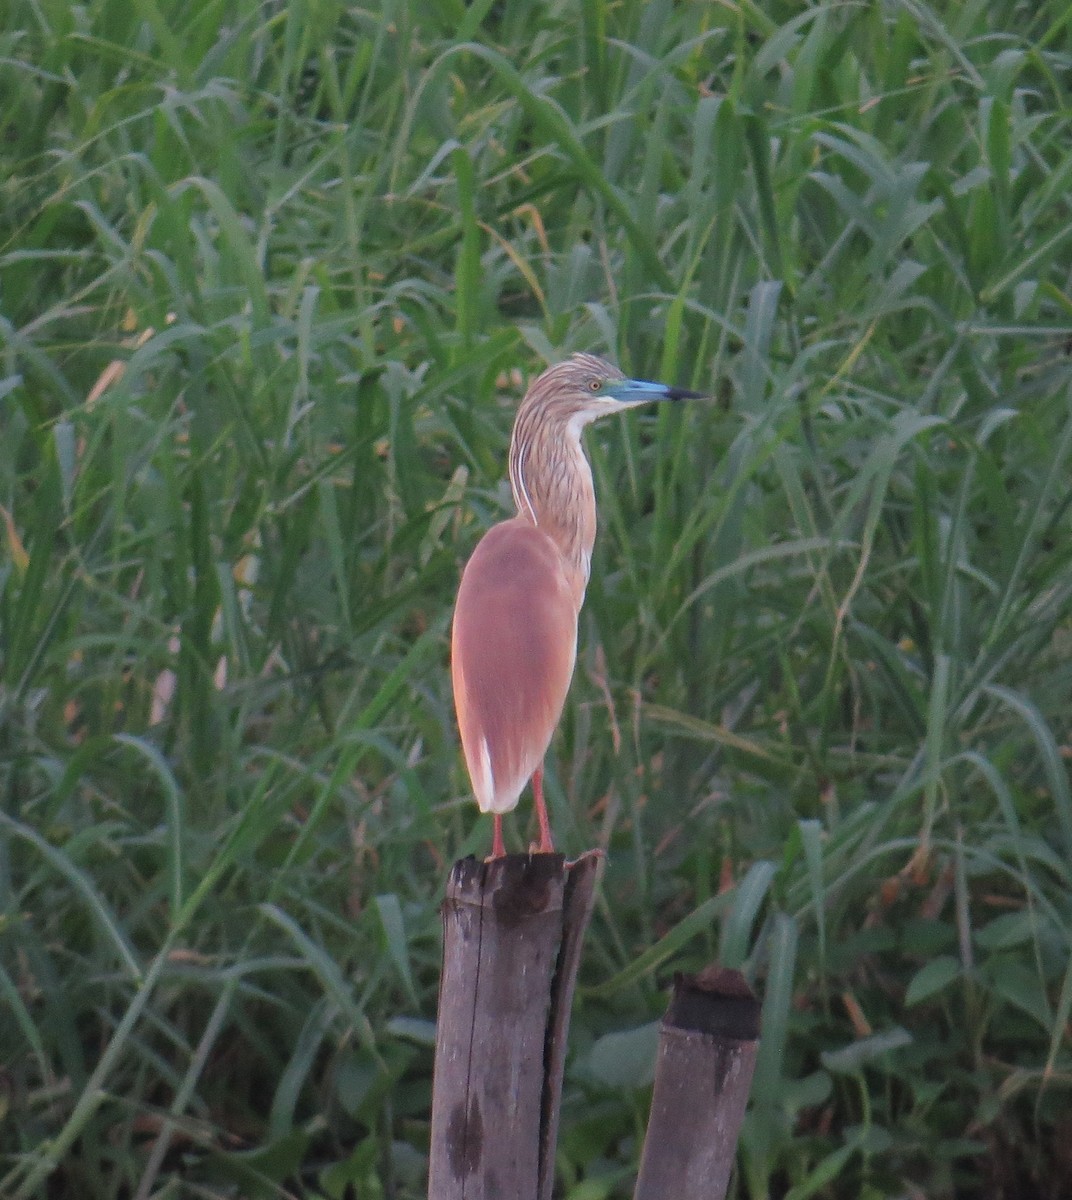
{"x":512,"y":932}
{"x":707,"y":1053}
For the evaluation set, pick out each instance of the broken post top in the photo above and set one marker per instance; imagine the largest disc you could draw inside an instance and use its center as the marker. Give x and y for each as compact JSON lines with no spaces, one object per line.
{"x":516,"y":886}
{"x":520,"y":885}
{"x":716,"y":1001}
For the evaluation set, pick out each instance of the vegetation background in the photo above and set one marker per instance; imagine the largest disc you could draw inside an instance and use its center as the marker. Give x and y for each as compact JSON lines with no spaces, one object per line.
{"x":272,"y":279}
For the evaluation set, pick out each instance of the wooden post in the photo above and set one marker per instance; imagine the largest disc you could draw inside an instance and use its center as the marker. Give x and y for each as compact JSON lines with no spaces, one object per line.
{"x":512,"y":931}
{"x":703,"y":1073}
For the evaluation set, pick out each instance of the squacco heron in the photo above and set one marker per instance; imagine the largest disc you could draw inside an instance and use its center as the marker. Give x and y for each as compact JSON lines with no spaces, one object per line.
{"x":514,"y":639}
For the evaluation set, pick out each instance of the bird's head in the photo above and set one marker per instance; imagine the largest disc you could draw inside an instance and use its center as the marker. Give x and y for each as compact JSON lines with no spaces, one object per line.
{"x":584,"y":388}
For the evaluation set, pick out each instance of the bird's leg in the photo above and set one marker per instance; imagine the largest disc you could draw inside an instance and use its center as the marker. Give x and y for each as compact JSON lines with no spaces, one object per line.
{"x":498,"y":847}
{"x":546,"y":846}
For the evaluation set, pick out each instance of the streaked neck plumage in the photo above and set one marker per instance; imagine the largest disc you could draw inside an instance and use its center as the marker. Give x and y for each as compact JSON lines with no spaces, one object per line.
{"x":552,"y":483}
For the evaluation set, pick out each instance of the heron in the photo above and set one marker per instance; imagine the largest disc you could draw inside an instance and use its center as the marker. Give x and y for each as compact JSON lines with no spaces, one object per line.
{"x":514,"y":634}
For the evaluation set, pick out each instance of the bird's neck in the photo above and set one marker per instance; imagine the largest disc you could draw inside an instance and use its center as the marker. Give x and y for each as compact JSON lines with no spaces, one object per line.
{"x":552,"y":485}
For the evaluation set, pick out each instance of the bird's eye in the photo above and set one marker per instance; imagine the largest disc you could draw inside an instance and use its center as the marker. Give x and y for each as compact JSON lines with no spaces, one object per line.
{"x":595,"y":384}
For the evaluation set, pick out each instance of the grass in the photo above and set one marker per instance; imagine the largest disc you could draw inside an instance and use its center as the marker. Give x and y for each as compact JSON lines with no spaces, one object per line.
{"x":271,"y":280}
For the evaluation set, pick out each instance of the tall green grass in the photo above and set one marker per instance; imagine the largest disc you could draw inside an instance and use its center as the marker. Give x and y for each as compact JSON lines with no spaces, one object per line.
{"x":271,"y":280}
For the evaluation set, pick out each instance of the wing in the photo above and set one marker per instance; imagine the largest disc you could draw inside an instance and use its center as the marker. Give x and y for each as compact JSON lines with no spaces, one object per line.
{"x":513,"y":646}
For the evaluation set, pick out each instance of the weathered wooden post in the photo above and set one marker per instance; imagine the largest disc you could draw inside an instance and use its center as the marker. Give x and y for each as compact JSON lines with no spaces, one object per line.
{"x":512,"y":932}
{"x":707,"y":1053}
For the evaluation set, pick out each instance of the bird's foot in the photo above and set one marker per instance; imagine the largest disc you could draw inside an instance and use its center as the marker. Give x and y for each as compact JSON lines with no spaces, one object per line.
{"x":498,"y":846}
{"x":543,"y":846}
